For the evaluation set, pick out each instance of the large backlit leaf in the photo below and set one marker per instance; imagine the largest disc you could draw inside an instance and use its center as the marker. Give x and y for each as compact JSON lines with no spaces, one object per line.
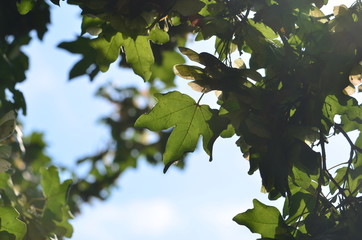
{"x":139,"y":55}
{"x":11,"y":224}
{"x":265,"y":220}
{"x":188,"y":120}
{"x":107,"y":50}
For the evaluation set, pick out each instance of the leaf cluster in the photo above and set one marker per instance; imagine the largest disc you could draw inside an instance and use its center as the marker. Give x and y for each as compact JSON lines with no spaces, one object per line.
{"x":34,"y":202}
{"x":15,"y":28}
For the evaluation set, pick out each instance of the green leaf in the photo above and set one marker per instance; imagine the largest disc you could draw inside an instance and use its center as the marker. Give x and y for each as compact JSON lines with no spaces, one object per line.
{"x":189,"y":120}
{"x":264,"y":29}
{"x":218,"y":26}
{"x":54,"y":191}
{"x":265,"y":220}
{"x":10,"y":222}
{"x":90,"y":24}
{"x":301,"y":178}
{"x":357,"y":161}
{"x":158,"y":35}
{"x":352,"y":118}
{"x":139,"y":55}
{"x":212,"y":7}
{"x":107,"y":50}
{"x":228,"y":132}
{"x":333,"y":107}
{"x":299,"y":204}
{"x":63,"y":227}
{"x":164,"y":70}
{"x":24,"y":6}
{"x":355,"y":180}
{"x":56,"y":211}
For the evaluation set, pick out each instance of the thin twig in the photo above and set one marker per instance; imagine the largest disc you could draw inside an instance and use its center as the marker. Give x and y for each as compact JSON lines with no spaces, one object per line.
{"x":337,"y":165}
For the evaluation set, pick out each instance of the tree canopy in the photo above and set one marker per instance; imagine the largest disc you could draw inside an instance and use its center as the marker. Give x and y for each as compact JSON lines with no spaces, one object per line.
{"x":283,"y":71}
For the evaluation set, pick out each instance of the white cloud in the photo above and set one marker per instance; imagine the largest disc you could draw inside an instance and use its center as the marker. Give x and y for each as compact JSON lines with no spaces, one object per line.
{"x":138,"y":219}
{"x":153,"y":217}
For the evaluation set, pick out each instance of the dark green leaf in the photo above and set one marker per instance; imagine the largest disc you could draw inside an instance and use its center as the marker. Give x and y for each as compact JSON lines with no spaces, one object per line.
{"x":188,"y":7}
{"x":56,"y":2}
{"x":299,"y":204}
{"x":5,"y":151}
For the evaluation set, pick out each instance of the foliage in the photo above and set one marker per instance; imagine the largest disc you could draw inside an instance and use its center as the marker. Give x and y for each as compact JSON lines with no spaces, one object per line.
{"x":281,"y":104}
{"x":14,"y":33}
{"x":33,"y":200}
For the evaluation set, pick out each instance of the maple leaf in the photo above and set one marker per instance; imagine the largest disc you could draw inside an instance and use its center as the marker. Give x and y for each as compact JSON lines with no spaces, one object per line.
{"x":189,"y":121}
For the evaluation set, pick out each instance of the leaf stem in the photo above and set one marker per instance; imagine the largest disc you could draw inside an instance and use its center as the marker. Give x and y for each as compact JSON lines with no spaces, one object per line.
{"x":198,"y":101}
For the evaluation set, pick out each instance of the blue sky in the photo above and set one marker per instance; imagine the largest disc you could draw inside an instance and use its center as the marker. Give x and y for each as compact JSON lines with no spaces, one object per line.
{"x":197,"y":203}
